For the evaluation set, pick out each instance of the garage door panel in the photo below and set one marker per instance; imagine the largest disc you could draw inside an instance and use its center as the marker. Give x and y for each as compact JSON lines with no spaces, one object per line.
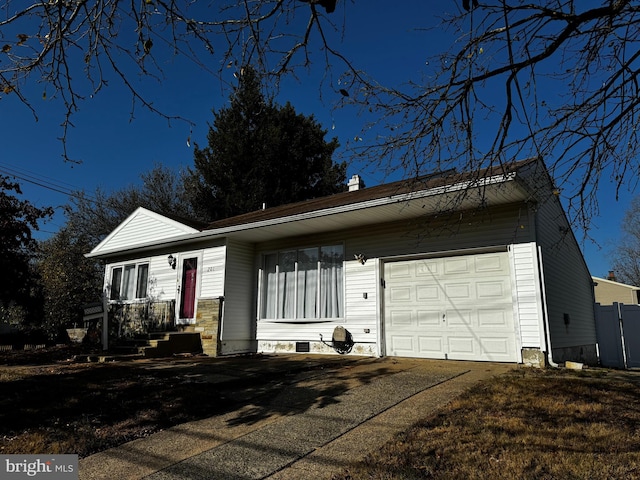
{"x":458,"y":290}
{"x":428,"y":293}
{"x":428,"y":268}
{"x":489,"y":263}
{"x":402,"y":345}
{"x":458,"y":265}
{"x":429,"y":318}
{"x":430,"y":346}
{"x":400,"y":294}
{"x":401,"y":318}
{"x":460,"y":346}
{"x":459,"y":318}
{"x":399,"y":270}
{"x":495,"y":346}
{"x":496,"y":318}
{"x":491,"y":289}
{"x":451,"y":307}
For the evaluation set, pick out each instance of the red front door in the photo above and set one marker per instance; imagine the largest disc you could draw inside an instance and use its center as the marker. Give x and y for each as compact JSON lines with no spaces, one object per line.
{"x":188,"y":294}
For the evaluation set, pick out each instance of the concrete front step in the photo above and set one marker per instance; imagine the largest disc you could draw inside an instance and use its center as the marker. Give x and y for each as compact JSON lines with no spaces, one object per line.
{"x":164,"y":344}
{"x":106,"y":358}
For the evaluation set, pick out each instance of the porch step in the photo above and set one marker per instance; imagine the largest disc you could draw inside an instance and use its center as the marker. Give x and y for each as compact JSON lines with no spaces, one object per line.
{"x":106,"y":358}
{"x":162,"y":344}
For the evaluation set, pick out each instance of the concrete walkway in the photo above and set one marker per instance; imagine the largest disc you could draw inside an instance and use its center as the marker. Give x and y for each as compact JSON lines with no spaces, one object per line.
{"x":321,"y":422}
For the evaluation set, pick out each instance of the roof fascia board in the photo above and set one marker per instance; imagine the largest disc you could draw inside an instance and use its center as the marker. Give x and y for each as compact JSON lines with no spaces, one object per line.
{"x":442,"y":190}
{"x":225,"y":231}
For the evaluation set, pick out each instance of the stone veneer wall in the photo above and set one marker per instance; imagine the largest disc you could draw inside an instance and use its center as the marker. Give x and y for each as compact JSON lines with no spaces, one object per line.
{"x":208,"y":324}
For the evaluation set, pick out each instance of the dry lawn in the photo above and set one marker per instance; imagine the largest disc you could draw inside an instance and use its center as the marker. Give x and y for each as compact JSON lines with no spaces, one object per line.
{"x":532,"y":424}
{"x":48,"y":405}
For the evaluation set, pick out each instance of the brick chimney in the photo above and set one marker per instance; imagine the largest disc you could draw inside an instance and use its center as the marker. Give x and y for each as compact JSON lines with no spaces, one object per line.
{"x":611,"y":276}
{"x":355,"y":183}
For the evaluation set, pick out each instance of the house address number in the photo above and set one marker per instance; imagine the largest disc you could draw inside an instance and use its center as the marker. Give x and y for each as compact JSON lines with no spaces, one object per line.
{"x":210,"y":269}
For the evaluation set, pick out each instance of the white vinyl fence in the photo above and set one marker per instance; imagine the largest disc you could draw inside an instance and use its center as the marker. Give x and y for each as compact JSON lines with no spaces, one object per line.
{"x":618,"y":329}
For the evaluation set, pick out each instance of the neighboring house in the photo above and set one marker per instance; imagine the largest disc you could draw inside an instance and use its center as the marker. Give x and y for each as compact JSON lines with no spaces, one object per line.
{"x":607,"y":292}
{"x":477,"y":266}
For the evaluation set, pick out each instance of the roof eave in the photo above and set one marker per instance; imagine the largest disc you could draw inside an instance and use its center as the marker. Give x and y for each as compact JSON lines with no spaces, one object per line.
{"x":246,"y":228}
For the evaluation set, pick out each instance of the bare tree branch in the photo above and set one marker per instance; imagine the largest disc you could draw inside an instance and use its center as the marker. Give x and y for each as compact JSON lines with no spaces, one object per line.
{"x":556,"y":79}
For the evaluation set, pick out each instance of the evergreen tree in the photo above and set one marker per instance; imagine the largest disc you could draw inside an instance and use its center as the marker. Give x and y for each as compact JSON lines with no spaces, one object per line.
{"x":260,"y":153}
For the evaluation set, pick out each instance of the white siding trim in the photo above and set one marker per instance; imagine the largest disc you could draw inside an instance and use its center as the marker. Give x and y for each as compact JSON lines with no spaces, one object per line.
{"x":179,"y":272}
{"x":527,"y":295}
{"x":515,"y":303}
{"x":379,"y":310}
{"x":140,"y":227}
{"x":213,"y":272}
{"x":236,"y":330}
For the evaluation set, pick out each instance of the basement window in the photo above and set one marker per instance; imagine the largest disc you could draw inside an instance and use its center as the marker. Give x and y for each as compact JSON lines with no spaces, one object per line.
{"x":301,"y":284}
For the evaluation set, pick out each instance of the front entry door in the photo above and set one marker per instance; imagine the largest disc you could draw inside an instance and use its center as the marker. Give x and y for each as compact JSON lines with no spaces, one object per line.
{"x":188,"y":288}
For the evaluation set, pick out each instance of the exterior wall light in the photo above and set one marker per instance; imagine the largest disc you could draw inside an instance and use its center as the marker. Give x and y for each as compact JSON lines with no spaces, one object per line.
{"x":172,"y":261}
{"x":361,"y":257}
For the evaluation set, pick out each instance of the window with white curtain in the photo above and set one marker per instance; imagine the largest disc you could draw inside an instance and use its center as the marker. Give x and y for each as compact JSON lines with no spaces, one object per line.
{"x":305,"y":283}
{"x":129,"y":282}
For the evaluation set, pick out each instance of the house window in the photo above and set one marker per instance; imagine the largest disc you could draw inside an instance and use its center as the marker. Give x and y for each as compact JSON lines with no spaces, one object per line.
{"x":129,"y":282}
{"x":305,"y":283}
{"x":141,"y":283}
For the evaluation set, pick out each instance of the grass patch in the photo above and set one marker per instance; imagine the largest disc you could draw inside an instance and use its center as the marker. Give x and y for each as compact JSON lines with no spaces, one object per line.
{"x":530,"y":424}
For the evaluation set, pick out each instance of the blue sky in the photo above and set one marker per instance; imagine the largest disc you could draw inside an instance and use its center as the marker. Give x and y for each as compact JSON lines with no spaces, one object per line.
{"x":115,"y":149}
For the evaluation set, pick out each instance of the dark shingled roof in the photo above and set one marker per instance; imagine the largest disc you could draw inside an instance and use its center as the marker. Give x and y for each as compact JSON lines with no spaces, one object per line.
{"x":189,"y":222}
{"x":425,"y":182}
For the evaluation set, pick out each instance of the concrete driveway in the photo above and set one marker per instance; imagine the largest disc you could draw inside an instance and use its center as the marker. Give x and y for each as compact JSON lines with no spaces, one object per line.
{"x":321,"y":420}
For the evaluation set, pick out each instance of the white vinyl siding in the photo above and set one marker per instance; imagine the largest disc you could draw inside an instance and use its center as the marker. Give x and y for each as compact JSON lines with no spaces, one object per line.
{"x":213,"y":272}
{"x":360,"y":315}
{"x":238,"y":311}
{"x":363,"y":295}
{"x":465,"y":230}
{"x":361,"y":287}
{"x":162,"y":279}
{"x":527,"y":295}
{"x":141,"y":227}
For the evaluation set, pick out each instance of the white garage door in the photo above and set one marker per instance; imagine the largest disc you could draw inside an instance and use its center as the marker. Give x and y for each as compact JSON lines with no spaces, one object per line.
{"x":457,"y":308}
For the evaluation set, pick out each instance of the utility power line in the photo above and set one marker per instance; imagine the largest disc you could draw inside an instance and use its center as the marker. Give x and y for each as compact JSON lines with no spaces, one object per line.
{"x":43,"y":181}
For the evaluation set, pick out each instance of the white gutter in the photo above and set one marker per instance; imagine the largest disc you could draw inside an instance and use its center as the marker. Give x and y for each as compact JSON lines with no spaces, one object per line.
{"x":377,"y":202}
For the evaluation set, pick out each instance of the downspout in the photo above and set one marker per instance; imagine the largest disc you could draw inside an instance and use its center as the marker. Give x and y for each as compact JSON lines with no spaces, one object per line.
{"x":545,"y":313}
